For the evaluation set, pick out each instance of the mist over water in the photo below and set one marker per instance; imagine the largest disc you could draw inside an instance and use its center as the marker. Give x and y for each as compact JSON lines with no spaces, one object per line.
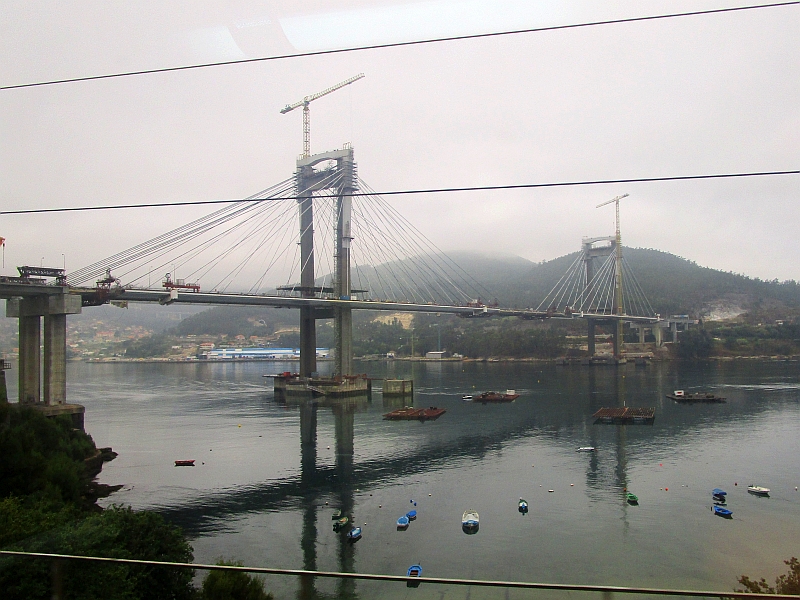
{"x":263,"y":494}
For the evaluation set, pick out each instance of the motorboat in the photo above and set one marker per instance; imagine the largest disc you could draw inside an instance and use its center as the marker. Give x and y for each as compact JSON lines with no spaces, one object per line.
{"x":354,"y":534}
{"x":467,"y":397}
{"x":758,"y":490}
{"x":523,"y":506}
{"x":414,"y":571}
{"x":719,"y":495}
{"x":586,"y":449}
{"x":722,"y":511}
{"x":470,"y":521}
{"x":411,"y":515}
{"x":402,"y":523}
{"x":184,"y":463}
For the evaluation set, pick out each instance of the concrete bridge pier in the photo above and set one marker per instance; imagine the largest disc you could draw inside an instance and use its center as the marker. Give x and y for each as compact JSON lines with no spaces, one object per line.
{"x":43,"y":371}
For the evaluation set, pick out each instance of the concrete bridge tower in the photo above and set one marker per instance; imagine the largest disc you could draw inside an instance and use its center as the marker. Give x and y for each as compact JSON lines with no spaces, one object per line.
{"x":340,"y":178}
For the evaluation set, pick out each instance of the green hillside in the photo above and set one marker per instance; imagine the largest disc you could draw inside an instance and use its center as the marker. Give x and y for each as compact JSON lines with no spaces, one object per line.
{"x":672,"y":284}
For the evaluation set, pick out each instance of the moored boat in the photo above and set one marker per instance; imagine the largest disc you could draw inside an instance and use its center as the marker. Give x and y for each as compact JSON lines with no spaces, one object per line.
{"x":682,"y":396}
{"x":410,"y":413}
{"x":586,"y":449}
{"x":411,"y":515}
{"x":721,"y":511}
{"x":337,"y":514}
{"x":354,"y":534}
{"x":340,"y":522}
{"x":758,"y":490}
{"x":509,"y":396}
{"x":184,"y":463}
{"x":523,"y":506}
{"x":470,"y":522}
{"x":467,"y":397}
{"x":631,"y":498}
{"x":719,"y":495}
{"x":414,"y":571}
{"x":402,"y":522}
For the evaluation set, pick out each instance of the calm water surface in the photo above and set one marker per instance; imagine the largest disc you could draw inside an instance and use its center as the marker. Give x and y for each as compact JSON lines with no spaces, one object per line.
{"x":263,"y":494}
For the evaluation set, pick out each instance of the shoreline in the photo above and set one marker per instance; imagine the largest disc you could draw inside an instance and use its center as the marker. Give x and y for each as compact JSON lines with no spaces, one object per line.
{"x":558,"y":360}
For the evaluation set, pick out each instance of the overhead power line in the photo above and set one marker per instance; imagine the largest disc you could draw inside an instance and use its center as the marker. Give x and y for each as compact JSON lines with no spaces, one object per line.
{"x":476,"y":188}
{"x":400,"y":44}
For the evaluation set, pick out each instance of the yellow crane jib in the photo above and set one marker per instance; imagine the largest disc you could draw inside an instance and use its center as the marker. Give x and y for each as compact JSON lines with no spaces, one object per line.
{"x":306,"y":113}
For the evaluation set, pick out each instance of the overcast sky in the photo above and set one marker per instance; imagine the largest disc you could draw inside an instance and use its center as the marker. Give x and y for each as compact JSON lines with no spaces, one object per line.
{"x":695,"y":95}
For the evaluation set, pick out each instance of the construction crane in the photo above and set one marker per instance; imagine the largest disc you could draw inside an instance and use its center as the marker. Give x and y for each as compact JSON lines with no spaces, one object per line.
{"x":306,"y":115}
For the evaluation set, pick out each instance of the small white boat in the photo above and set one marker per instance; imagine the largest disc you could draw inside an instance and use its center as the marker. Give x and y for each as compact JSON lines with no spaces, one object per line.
{"x":758,"y":490}
{"x":467,"y":397}
{"x":470,"y":521}
{"x":586,"y":449}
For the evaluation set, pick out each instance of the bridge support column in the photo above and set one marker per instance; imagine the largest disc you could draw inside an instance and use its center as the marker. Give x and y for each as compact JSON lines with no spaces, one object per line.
{"x":343,"y":324}
{"x":657,"y":333}
{"x":308,"y":324}
{"x":617,"y":339}
{"x":55,"y":346}
{"x":30,"y":311}
{"x":592,"y":345}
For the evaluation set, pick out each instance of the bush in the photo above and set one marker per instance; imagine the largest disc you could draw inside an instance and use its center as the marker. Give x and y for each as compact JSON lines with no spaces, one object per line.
{"x":114,"y":533}
{"x":233,"y":585}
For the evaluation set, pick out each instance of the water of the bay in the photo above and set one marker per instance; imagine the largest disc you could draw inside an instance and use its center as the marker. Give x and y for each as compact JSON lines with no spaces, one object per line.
{"x":258,"y":495}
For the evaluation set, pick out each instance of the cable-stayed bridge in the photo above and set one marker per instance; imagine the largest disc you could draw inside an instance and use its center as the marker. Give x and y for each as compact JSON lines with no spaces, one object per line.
{"x":351,"y":251}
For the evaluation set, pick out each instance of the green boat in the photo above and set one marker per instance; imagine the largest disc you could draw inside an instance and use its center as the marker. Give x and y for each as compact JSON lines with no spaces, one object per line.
{"x":631,"y":498}
{"x":337,"y":514}
{"x":340,"y":523}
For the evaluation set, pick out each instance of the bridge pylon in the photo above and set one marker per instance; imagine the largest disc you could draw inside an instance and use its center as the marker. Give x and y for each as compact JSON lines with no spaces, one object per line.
{"x":341,"y":179}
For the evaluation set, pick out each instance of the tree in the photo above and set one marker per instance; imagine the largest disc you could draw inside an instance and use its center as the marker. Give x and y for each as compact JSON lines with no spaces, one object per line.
{"x":788,"y":583}
{"x":695,"y":343}
{"x":114,"y":533}
{"x":233,"y":585}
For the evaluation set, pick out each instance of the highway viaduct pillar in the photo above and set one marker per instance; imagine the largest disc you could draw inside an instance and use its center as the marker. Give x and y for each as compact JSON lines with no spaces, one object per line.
{"x":43,"y":370}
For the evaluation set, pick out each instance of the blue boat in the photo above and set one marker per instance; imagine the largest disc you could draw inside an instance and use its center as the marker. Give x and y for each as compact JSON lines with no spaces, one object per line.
{"x":722,"y":512}
{"x":523,"y":506}
{"x":414,"y":571}
{"x":412,"y":515}
{"x":354,"y":534}
{"x":402,"y":522}
{"x":719,"y":495}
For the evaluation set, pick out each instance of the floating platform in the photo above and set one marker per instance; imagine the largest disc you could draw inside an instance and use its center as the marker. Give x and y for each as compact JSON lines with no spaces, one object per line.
{"x":625,"y":415}
{"x":291,"y":384}
{"x":409,"y":413}
{"x":699,"y":397}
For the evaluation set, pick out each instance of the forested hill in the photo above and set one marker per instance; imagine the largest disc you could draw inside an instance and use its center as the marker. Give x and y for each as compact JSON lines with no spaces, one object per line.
{"x":672,"y":284}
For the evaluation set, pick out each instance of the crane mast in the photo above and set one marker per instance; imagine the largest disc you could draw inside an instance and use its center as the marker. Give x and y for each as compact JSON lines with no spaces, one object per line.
{"x":307,"y":113}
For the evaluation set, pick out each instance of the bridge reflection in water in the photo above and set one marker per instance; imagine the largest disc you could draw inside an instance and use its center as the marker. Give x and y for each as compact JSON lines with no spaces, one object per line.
{"x":315,"y":483}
